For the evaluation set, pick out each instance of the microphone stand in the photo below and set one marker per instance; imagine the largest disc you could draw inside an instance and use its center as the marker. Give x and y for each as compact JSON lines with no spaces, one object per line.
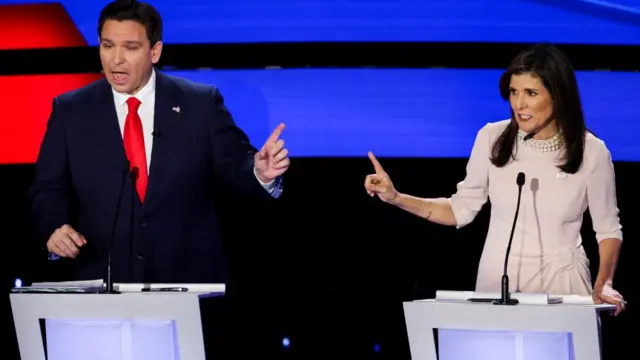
{"x":505,"y":298}
{"x":135,"y":173}
{"x":109,"y":285}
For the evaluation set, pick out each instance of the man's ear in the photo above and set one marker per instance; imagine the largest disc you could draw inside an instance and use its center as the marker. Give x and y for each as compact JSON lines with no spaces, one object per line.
{"x":156,"y":52}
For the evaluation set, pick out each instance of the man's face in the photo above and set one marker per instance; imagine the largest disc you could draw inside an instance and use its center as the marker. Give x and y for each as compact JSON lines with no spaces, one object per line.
{"x":126,"y":55}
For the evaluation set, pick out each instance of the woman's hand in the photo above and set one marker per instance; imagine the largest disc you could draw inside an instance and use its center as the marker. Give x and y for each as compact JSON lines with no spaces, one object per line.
{"x":379,"y":183}
{"x":603,"y":293}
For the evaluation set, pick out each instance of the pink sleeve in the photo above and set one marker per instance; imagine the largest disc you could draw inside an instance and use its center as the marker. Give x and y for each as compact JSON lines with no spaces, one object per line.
{"x":472,"y":192}
{"x":601,"y":196}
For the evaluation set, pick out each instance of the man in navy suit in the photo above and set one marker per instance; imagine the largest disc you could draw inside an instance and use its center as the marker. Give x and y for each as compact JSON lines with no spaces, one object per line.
{"x":130,"y":164}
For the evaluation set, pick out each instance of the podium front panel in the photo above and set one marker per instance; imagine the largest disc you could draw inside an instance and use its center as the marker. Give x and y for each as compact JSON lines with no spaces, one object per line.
{"x":111,"y":339}
{"x":75,"y":340}
{"x":503,"y":345}
{"x":123,"y":326}
{"x":480,"y":331}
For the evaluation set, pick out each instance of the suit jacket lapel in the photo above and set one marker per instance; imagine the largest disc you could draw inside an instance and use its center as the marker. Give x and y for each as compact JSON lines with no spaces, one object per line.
{"x":107,"y":130}
{"x":167,"y":131}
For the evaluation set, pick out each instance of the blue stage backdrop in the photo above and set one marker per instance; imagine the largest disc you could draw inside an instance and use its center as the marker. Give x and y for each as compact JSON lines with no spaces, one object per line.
{"x":237,"y":21}
{"x":403,"y":113}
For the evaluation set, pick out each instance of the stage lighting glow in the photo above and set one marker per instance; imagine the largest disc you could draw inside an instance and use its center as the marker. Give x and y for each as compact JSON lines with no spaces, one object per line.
{"x":428,"y":116}
{"x":18,"y":283}
{"x":238,"y":21}
{"x":376,"y":348}
{"x":286,"y":342}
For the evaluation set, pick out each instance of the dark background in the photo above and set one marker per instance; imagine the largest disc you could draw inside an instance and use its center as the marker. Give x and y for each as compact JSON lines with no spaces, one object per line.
{"x":327,"y":266}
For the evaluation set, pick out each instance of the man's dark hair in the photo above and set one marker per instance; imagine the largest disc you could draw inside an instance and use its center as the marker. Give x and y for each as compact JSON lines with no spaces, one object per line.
{"x":550,"y":65}
{"x":141,"y":12}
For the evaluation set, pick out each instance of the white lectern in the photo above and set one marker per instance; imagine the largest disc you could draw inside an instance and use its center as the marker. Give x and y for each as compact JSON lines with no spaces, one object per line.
{"x":533,"y":329}
{"x":159,"y":324}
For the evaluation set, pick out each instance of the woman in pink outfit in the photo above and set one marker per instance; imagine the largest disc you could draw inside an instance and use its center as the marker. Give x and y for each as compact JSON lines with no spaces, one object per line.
{"x":567,"y":170}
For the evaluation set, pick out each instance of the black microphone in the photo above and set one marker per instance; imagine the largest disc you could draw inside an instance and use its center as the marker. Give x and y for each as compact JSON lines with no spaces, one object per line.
{"x":529,"y":136}
{"x":506,"y":299}
{"x":135,"y":174}
{"x":109,"y":289}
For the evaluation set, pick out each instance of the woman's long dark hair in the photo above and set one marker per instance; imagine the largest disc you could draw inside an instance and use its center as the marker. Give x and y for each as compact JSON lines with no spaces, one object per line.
{"x":552,"y":67}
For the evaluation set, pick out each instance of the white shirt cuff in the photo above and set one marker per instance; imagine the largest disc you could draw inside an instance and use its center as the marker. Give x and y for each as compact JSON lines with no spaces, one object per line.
{"x":267,"y":186}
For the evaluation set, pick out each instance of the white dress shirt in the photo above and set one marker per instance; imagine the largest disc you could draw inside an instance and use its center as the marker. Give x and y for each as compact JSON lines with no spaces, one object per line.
{"x":147,"y":97}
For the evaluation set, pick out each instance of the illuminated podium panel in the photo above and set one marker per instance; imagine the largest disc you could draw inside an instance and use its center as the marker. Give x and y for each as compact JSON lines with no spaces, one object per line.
{"x":533,"y":329}
{"x":132,"y":325}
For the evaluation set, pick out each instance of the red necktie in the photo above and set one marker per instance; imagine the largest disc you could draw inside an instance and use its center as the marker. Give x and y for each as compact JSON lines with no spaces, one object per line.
{"x":134,"y":147}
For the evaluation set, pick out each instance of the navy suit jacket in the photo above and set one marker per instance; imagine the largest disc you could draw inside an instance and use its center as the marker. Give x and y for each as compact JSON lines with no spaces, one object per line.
{"x":173,"y":236}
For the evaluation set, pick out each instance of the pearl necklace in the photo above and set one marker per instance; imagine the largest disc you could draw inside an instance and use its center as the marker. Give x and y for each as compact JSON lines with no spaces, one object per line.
{"x":554,"y":143}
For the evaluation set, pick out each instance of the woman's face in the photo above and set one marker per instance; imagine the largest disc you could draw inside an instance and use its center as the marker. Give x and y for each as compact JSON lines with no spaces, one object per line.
{"x":532,"y":105}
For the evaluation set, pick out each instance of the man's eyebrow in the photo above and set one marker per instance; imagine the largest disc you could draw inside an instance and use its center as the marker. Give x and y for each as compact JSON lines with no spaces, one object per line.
{"x":128,"y":42}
